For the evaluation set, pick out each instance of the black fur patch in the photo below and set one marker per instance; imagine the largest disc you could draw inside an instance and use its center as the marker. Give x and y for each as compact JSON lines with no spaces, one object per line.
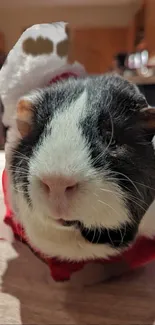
{"x":117,"y":238}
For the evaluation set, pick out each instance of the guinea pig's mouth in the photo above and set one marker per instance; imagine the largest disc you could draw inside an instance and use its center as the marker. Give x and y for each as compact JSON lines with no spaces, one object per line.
{"x":117,"y":238}
{"x":69,"y":223}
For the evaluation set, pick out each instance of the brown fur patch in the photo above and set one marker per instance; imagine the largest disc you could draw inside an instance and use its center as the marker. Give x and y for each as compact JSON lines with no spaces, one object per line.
{"x":24,"y":109}
{"x":23,"y":127}
{"x":39,"y":46}
{"x":63,"y":48}
{"x":24,"y":116}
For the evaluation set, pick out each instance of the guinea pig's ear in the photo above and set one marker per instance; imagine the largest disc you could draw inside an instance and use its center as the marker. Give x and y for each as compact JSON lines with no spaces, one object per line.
{"x":147,"y":119}
{"x":24,"y":116}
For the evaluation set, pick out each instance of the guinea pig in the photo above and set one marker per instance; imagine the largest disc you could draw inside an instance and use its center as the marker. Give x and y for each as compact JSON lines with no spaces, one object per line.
{"x":81,"y":166}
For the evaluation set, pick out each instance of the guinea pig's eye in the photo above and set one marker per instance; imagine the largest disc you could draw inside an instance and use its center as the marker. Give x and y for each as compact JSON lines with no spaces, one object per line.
{"x":111,"y":141}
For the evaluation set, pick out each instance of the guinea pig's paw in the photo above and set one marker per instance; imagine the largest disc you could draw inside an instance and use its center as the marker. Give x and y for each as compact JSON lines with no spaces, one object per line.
{"x":6,"y":233}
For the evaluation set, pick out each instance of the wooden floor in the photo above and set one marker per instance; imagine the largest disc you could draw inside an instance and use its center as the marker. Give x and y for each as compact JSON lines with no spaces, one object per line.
{"x":30,"y":296}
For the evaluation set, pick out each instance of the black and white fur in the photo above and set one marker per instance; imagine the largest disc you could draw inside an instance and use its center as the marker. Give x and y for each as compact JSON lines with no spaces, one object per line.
{"x":90,"y":129}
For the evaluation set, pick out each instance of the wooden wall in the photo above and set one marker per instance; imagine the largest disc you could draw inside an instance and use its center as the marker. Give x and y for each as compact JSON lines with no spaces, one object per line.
{"x":95,"y":47}
{"x":2,"y":42}
{"x":150,"y":24}
{"x":144,"y":18}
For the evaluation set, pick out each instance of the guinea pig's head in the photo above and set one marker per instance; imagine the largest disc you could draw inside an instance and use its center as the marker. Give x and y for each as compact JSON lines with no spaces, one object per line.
{"x":83,"y":167}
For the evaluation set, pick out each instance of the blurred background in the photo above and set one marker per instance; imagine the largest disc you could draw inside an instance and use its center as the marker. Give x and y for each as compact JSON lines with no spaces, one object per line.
{"x":108,"y":35}
{"x":102,"y":28}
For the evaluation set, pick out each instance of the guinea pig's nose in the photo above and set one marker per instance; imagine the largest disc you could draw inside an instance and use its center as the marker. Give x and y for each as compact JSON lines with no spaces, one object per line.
{"x":59,"y":186}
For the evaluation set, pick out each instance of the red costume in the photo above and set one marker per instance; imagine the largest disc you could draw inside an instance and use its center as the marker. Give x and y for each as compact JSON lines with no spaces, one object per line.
{"x":142,"y":252}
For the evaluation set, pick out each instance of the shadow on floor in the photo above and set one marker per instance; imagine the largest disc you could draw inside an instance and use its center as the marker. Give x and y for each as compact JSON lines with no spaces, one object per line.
{"x":127,"y":300}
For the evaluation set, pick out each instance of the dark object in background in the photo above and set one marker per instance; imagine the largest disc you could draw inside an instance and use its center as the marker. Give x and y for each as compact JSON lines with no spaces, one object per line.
{"x":119,"y":62}
{"x":2,"y":58}
{"x":121,"y":58}
{"x":148,"y":91}
{"x":3,"y":129}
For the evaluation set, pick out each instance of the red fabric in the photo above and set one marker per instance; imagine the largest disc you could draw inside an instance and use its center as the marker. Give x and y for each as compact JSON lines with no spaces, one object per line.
{"x":64,"y":75}
{"x":139,"y":254}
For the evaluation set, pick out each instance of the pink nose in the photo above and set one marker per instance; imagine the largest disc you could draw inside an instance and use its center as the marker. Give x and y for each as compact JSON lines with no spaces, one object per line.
{"x":59,"y":186}
{"x":59,"y":191}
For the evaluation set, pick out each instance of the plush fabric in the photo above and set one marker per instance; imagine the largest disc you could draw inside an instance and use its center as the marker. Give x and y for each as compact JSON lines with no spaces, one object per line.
{"x":41,"y":54}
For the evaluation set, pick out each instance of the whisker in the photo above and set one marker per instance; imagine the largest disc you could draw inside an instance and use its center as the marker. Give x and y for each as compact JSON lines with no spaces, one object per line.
{"x":110,"y":237}
{"x":112,"y":134}
{"x":100,"y":232}
{"x":118,"y":195}
{"x":109,"y":206}
{"x":22,"y":173}
{"x":122,"y":179}
{"x":20,"y":153}
{"x":93,"y":236}
{"x":131,"y":198}
{"x":122,"y":235}
{"x":128,"y":178}
{"x":151,"y":188}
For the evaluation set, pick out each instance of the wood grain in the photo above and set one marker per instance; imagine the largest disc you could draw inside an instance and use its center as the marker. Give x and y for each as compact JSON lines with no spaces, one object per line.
{"x":150,"y":25}
{"x":126,"y":300}
{"x":95,"y":47}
